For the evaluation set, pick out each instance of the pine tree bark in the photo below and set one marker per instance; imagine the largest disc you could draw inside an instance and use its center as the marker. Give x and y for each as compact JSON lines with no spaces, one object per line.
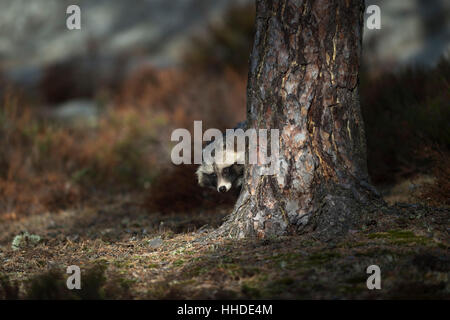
{"x":303,"y":80}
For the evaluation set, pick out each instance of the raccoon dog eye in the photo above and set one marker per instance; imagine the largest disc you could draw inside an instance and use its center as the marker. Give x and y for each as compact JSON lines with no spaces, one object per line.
{"x":229,"y":170}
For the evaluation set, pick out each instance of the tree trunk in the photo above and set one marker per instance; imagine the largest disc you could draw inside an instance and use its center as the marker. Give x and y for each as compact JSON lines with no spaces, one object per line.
{"x":303,"y":80}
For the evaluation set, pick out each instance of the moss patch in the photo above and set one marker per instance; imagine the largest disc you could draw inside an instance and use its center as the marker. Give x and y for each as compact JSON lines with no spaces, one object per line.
{"x":401,"y":237}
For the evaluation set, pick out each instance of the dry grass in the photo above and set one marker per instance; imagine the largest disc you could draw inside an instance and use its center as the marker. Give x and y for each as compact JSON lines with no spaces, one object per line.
{"x":116,"y":252}
{"x":184,"y":96}
{"x":49,"y":166}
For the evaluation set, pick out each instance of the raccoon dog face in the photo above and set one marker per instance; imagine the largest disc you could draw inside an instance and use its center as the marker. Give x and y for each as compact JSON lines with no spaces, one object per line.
{"x":220,"y":177}
{"x":225,"y":168}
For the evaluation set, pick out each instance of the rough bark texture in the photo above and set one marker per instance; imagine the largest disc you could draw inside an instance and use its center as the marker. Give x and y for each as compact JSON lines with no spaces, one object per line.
{"x":303,"y":80}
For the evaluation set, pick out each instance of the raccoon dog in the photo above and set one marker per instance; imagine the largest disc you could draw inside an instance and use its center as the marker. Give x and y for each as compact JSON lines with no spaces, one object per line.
{"x":225,"y":169}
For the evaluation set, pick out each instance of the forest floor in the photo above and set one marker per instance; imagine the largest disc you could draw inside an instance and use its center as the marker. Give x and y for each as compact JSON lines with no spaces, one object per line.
{"x":125,"y":252}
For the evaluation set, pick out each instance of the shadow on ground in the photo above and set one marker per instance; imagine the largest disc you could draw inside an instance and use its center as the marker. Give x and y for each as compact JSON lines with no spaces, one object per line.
{"x":125,"y":253}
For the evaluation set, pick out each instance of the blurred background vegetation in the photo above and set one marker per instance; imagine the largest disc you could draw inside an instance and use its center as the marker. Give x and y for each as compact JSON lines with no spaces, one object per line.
{"x":94,"y":122}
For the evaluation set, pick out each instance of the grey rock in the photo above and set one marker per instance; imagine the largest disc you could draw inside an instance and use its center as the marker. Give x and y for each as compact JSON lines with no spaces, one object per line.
{"x":155,"y":242}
